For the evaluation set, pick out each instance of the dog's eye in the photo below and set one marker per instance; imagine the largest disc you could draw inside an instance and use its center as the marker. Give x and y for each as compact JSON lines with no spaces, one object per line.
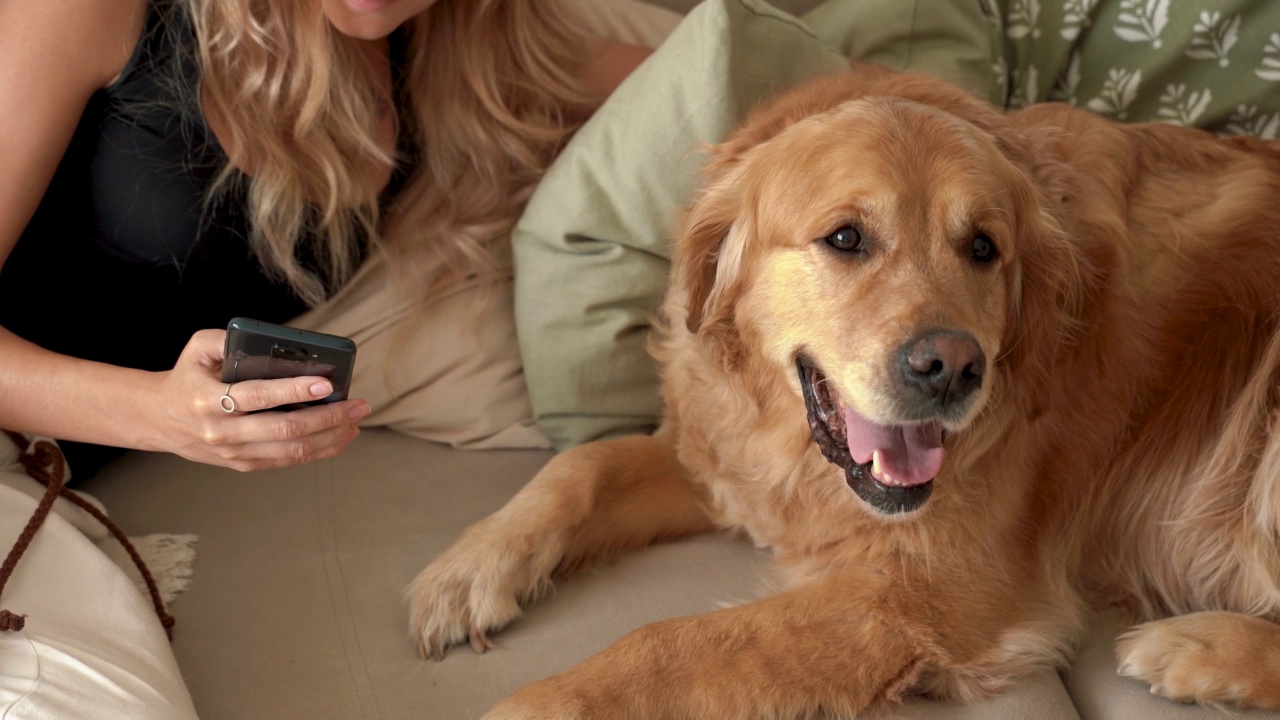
{"x":984,"y":249}
{"x":847,"y":239}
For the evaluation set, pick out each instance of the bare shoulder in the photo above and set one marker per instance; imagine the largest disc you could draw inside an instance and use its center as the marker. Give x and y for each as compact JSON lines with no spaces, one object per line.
{"x":78,"y":42}
{"x":53,"y":55}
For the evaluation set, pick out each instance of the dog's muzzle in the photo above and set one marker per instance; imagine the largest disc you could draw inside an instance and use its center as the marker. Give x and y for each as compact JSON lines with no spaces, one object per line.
{"x":891,"y":467}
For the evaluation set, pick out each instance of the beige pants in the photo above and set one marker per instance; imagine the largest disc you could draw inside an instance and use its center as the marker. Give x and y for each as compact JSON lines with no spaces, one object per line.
{"x":444,"y":372}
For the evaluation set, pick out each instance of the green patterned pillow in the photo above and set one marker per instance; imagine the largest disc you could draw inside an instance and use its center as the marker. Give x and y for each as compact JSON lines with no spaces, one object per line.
{"x":1212,"y":64}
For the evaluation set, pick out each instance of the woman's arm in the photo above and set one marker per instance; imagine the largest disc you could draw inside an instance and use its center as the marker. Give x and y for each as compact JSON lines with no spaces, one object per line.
{"x":54,"y":55}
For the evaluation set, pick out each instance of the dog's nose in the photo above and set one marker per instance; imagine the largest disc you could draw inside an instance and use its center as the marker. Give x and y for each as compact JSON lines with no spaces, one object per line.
{"x":944,"y":366}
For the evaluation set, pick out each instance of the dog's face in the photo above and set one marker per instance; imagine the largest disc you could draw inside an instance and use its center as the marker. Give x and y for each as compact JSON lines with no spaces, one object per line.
{"x":871,"y":260}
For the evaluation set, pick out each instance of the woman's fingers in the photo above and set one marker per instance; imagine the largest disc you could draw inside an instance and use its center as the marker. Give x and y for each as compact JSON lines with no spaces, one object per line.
{"x":316,"y":446}
{"x":253,"y":395}
{"x":205,"y":348}
{"x":284,"y":426}
{"x":225,"y":424}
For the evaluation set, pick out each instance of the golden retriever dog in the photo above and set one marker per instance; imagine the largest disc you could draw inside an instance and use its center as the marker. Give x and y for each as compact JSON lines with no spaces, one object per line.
{"x":971,"y":375}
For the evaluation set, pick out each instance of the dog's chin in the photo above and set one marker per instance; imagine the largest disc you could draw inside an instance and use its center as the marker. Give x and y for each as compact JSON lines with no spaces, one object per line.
{"x":894,"y":479}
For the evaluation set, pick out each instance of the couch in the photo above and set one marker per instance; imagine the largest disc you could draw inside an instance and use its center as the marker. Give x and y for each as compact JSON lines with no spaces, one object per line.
{"x":296,"y":611}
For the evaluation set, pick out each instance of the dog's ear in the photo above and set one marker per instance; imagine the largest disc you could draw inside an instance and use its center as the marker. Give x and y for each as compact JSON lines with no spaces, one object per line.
{"x":1050,"y":278}
{"x":716,"y":227}
{"x":709,"y":255}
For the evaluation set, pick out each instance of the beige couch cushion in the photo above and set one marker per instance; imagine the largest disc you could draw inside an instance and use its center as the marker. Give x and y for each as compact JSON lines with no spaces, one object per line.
{"x":295,"y":609}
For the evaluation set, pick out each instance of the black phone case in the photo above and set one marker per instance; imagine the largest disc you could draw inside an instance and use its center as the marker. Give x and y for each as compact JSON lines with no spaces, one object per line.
{"x":257,"y":350}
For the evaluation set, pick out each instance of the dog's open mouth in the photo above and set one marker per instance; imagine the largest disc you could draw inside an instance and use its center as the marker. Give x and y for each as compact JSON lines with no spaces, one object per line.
{"x":891,"y":467}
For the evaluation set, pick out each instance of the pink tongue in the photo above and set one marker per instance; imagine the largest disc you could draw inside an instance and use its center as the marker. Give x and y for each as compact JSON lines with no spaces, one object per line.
{"x":909,"y":454}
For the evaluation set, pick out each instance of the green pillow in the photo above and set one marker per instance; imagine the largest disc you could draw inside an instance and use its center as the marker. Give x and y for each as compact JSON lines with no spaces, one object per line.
{"x":957,"y":40}
{"x":592,"y":249}
{"x":1211,"y":64}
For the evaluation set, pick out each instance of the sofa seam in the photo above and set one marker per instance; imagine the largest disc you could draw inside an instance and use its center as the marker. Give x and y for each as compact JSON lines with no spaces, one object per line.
{"x":361,"y":679}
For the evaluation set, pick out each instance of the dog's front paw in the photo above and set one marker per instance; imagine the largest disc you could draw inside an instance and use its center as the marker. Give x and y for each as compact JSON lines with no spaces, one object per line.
{"x":477,"y":586}
{"x":1207,"y":657}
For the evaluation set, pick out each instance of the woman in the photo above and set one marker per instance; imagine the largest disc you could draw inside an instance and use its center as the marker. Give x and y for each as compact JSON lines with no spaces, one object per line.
{"x":170,"y":164}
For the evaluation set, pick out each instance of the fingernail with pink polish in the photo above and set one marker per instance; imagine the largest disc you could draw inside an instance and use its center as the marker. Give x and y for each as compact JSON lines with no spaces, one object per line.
{"x":321,"y":389}
{"x":358,"y":411}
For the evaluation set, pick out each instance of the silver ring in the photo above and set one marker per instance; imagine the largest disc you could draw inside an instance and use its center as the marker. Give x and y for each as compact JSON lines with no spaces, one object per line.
{"x":227,"y":402}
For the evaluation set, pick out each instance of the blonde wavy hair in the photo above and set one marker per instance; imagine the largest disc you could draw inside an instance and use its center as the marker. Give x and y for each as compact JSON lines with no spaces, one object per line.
{"x":493,"y":89}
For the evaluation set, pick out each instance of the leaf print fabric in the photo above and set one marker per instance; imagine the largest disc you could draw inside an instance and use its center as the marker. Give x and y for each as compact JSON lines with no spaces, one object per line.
{"x":1068,"y":84}
{"x":1269,"y":69}
{"x":1213,"y":64}
{"x":1076,"y":16}
{"x":1142,"y":20}
{"x":1212,"y":38}
{"x":1181,"y":107}
{"x":1023,"y":15}
{"x":1118,"y":93}
{"x":1249,"y":120}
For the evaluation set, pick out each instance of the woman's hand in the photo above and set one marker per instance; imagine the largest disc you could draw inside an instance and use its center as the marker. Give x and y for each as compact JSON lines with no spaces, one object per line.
{"x":194,"y":424}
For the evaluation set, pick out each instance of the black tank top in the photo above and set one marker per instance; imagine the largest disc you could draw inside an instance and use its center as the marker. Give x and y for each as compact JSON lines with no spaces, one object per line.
{"x":123,"y":259}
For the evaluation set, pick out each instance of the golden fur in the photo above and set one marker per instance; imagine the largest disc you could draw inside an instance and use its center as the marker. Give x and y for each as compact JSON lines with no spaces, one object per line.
{"x":1124,"y":449}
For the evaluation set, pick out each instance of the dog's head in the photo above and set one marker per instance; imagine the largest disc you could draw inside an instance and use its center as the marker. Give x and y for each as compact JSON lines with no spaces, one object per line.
{"x":886,"y":250}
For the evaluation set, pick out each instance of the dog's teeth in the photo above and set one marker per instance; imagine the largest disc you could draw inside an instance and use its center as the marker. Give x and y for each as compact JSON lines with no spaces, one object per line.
{"x":877,"y":469}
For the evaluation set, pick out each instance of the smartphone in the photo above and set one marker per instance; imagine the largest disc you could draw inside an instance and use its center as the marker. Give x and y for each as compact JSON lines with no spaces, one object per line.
{"x":258,"y":350}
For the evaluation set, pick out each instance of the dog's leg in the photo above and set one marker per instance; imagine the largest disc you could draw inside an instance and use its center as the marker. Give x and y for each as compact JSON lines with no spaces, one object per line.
{"x":840,"y":646}
{"x":597,"y":498}
{"x":1208,"y":657}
